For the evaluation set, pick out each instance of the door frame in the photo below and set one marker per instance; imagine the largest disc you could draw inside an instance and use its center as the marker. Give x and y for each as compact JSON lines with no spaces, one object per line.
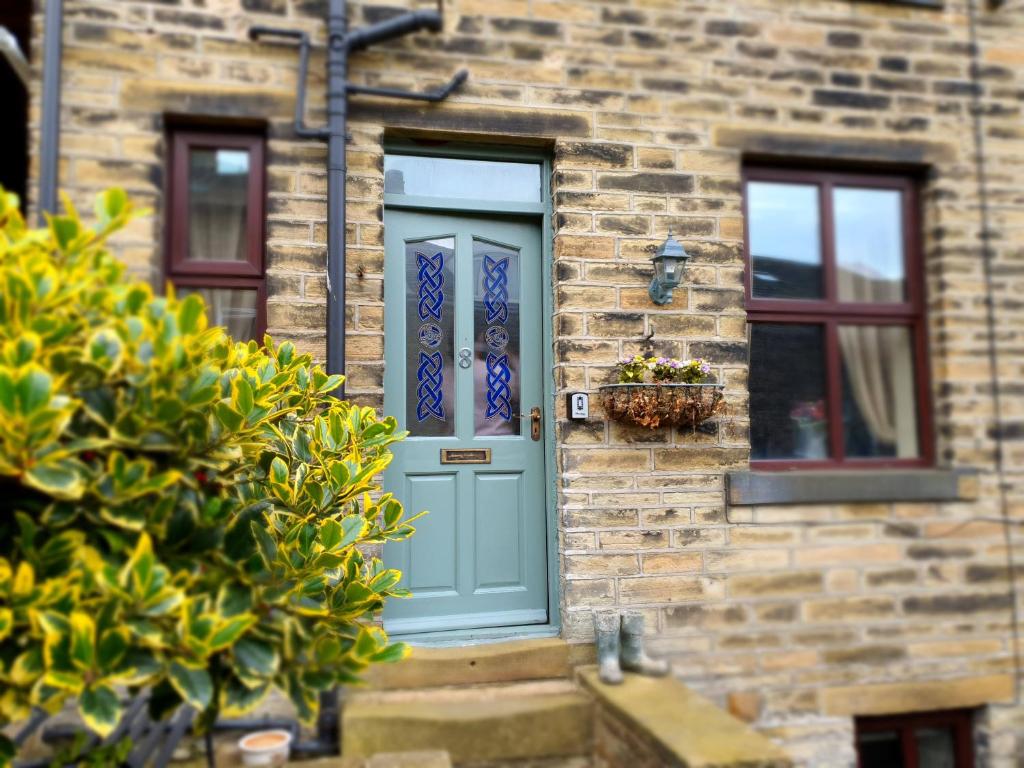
{"x":540,"y":212}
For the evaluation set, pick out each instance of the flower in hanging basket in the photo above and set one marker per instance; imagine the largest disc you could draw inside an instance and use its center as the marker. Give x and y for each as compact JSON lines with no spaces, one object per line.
{"x":675,"y":396}
{"x":633,"y":369}
{"x":662,"y":370}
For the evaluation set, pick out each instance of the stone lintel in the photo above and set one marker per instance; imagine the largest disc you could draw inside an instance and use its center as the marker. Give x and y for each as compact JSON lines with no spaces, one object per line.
{"x":905,"y":152}
{"x":898,"y":698}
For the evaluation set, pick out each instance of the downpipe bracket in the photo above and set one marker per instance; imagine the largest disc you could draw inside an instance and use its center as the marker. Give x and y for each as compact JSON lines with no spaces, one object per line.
{"x":357,"y":40}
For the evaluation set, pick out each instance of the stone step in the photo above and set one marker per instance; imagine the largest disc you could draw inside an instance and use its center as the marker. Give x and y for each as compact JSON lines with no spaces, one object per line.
{"x":465,"y":693}
{"x":499,"y":723}
{"x":536,"y":659}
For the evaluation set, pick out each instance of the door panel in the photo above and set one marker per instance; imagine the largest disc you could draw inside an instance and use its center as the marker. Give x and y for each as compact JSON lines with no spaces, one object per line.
{"x":463,"y":364}
{"x":432,"y":566}
{"x":499,"y":526}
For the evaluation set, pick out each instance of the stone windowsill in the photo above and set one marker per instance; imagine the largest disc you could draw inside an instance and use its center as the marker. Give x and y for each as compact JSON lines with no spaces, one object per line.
{"x":851,"y":486}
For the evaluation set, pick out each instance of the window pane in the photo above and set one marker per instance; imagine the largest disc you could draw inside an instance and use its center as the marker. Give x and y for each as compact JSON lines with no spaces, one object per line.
{"x":935,"y":748}
{"x":785,"y":240}
{"x":232,"y":308}
{"x":466,"y":179}
{"x":218,"y":186}
{"x":879,"y":407}
{"x":496,"y":338}
{"x":881,"y":748}
{"x":787,"y":392}
{"x":869,"y":244}
{"x":430,"y":337}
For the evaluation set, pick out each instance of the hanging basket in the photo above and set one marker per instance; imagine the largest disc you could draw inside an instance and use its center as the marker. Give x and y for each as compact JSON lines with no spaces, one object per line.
{"x":662,"y":405}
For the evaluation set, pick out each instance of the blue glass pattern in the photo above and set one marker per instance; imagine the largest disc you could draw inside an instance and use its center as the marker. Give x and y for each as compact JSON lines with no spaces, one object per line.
{"x":430,"y":371}
{"x":495,"y":289}
{"x":499,"y":393}
{"x":431,"y":287}
{"x":496,"y":337}
{"x":430,"y":375}
{"x":430,"y":337}
{"x":496,"y":333}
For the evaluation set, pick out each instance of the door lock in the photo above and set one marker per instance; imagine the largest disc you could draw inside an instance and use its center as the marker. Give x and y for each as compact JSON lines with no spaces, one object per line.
{"x":535,"y":417}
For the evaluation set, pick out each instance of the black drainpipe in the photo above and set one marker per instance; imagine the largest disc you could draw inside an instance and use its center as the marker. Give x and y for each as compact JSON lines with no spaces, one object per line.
{"x":337,"y":118}
{"x":49,"y":140}
{"x":340,"y":43}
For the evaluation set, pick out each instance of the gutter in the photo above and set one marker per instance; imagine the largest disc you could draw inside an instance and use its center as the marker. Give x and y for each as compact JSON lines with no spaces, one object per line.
{"x":49,"y":140}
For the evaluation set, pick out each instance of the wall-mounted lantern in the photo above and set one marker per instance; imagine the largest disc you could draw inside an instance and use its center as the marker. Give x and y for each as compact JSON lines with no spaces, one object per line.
{"x":668,"y":262}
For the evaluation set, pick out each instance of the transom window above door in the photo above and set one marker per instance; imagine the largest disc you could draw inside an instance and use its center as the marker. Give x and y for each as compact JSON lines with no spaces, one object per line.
{"x":215,"y":229}
{"x":835,"y":303}
{"x":462,"y":178}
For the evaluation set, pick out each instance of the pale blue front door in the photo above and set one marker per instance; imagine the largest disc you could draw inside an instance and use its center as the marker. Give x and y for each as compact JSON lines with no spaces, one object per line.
{"x":463,"y":360}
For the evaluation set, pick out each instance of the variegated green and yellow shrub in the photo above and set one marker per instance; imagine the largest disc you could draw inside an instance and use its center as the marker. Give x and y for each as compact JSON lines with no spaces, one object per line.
{"x":179,"y":511}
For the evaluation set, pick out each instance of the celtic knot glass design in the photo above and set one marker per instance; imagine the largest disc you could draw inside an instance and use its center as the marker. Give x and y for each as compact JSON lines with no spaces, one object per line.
{"x":431,"y":284}
{"x":429,"y":397}
{"x":496,"y":338}
{"x":430,"y":337}
{"x":495,"y":289}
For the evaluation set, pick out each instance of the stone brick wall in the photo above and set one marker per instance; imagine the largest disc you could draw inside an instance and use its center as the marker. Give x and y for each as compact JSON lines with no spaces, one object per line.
{"x":797,"y":616}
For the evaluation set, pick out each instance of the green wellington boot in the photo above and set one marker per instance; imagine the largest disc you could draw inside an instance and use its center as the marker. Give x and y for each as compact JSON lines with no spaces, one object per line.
{"x":634,"y":658}
{"x":606,"y":629}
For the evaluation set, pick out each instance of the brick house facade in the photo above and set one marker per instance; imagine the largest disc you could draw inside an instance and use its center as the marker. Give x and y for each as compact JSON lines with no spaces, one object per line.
{"x":798,"y":616}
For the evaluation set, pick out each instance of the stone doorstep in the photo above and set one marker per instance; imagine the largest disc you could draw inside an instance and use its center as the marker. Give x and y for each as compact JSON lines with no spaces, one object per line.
{"x":535,"y":659}
{"x":513,"y":721}
{"x":683,"y":728}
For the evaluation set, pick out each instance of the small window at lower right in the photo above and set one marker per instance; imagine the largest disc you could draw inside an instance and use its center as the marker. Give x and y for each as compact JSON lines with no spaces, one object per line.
{"x":920,"y":740}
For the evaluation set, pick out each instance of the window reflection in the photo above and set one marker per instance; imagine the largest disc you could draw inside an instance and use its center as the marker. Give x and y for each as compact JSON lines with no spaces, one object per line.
{"x":869,"y":244}
{"x":935,"y":748}
{"x":785,"y":241}
{"x":465,"y":179}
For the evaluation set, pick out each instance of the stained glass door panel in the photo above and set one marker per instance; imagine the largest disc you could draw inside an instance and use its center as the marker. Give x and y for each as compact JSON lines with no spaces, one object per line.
{"x":430,"y":336}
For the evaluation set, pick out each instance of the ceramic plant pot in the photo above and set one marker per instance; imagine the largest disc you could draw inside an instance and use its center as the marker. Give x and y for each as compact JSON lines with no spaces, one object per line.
{"x":265,"y":747}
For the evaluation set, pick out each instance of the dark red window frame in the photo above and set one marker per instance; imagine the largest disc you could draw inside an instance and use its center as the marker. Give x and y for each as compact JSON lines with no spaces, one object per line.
{"x":830,"y":313}
{"x":958,"y":720}
{"x":190,"y":273}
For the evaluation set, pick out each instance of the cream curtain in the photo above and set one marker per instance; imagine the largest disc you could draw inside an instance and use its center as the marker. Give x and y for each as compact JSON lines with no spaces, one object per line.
{"x":217,"y":230}
{"x":879,"y":367}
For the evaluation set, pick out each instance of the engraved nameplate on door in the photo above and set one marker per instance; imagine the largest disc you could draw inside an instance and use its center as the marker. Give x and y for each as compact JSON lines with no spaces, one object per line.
{"x":465,"y":455}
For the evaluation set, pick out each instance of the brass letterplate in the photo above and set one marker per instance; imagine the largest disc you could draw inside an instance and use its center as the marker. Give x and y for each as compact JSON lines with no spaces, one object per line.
{"x":465,"y":455}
